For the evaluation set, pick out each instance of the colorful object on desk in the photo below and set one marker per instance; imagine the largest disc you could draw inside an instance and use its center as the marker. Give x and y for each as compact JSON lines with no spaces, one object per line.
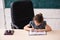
{"x":9,"y":32}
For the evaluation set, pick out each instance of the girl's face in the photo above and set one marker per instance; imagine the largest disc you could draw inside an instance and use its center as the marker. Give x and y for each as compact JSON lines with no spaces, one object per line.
{"x":36,"y":23}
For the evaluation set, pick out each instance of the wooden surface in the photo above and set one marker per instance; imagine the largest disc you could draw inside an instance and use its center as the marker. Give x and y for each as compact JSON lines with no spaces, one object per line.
{"x":24,"y":35}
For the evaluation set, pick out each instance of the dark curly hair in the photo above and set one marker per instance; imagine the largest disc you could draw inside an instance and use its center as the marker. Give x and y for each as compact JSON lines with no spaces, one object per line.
{"x":38,"y":18}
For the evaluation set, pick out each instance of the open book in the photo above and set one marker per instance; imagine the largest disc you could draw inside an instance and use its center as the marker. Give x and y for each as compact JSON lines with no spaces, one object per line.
{"x":37,"y":33}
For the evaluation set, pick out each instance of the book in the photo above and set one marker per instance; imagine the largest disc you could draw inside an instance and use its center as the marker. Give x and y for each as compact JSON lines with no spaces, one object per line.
{"x":37,"y":33}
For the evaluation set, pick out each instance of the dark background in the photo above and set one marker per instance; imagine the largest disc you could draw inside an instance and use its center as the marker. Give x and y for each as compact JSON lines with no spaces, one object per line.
{"x":55,"y":4}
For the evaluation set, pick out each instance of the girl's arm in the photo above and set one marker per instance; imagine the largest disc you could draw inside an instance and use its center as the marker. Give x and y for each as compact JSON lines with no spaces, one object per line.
{"x":27,"y":28}
{"x":47,"y":29}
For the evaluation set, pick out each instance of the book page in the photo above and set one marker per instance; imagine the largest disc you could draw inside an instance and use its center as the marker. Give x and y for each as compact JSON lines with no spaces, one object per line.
{"x":37,"y":33}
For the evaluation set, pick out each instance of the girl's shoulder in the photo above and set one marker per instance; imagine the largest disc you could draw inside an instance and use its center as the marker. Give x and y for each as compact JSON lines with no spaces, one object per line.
{"x":44,"y":23}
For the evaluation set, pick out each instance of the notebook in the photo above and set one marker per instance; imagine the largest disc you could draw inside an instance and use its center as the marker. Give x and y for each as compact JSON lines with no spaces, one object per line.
{"x":37,"y":33}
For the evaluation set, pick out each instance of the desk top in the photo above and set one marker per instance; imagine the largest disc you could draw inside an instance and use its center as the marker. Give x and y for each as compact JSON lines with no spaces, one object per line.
{"x":23,"y":35}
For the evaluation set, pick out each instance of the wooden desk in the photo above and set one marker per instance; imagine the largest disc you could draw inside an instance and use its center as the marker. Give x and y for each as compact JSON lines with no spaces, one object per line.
{"x":23,"y":35}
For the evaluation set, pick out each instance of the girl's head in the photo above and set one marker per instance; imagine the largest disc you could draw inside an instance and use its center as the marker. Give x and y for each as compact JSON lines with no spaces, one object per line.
{"x":38,"y":18}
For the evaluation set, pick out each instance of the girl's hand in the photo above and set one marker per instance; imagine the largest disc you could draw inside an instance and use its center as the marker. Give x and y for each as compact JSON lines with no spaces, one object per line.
{"x":32,"y":29}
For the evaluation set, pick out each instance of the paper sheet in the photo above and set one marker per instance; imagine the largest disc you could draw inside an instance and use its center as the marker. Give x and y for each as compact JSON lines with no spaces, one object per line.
{"x":37,"y":33}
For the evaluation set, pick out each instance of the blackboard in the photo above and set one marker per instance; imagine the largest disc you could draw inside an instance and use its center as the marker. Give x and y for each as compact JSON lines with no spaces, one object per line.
{"x":38,"y":3}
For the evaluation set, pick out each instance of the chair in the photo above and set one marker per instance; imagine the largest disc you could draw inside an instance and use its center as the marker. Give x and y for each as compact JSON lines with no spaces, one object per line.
{"x":21,"y":13}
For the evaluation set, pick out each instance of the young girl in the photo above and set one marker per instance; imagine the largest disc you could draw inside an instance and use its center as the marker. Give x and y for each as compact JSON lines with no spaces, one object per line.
{"x":38,"y":24}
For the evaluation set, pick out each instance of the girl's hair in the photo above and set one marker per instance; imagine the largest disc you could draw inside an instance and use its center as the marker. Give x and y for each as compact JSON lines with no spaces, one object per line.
{"x":38,"y":18}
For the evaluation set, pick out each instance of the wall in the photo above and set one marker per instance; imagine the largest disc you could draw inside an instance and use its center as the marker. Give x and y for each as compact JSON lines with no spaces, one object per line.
{"x":52,"y":16}
{"x":2,"y":23}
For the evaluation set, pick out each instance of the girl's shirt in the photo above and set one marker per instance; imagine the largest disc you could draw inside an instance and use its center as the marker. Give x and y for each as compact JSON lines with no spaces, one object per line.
{"x":41,"y":26}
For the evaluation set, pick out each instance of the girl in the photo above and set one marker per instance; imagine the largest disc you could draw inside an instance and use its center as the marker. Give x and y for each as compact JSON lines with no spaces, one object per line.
{"x":38,"y":24}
